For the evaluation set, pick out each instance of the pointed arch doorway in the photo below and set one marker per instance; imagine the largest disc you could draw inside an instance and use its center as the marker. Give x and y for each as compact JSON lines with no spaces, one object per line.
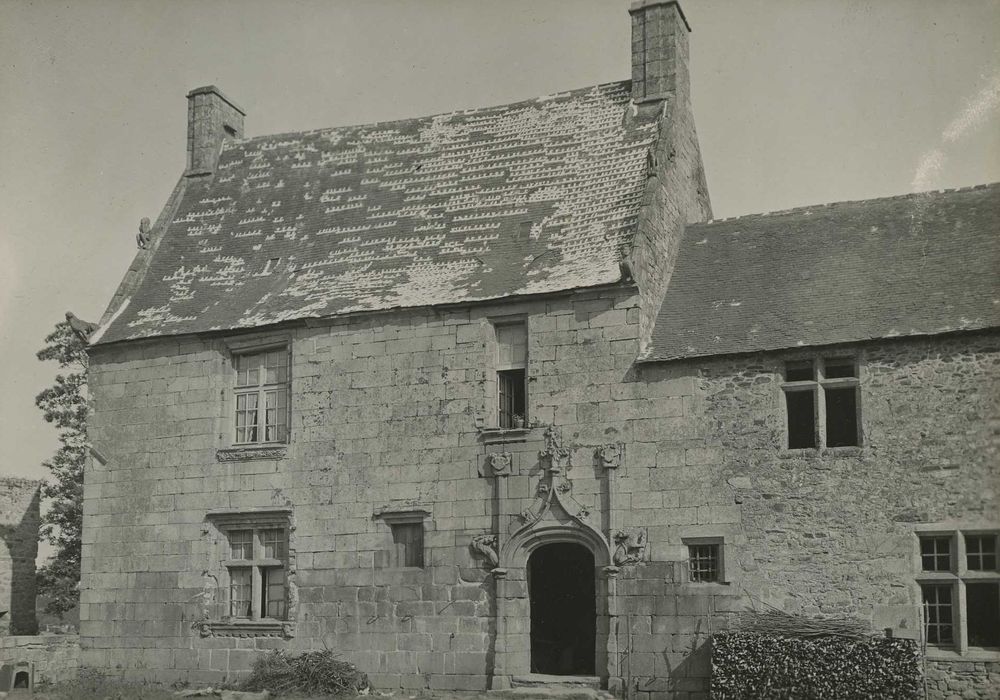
{"x":563,"y":609}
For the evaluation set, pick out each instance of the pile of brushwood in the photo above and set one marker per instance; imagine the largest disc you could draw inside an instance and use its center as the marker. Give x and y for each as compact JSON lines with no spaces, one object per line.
{"x":313,"y":672}
{"x":776,"y":656}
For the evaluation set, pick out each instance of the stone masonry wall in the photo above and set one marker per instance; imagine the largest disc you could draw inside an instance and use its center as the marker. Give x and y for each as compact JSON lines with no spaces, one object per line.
{"x":831,"y":532}
{"x":963,"y":680}
{"x":387,"y":412}
{"x":56,"y":656}
{"x":19,"y":521}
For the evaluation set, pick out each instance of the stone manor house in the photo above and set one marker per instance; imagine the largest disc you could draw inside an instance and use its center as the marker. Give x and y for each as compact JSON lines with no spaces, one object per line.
{"x":487,"y":397}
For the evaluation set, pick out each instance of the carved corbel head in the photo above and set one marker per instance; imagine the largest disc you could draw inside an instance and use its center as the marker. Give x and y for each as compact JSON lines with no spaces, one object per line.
{"x":610,"y":455}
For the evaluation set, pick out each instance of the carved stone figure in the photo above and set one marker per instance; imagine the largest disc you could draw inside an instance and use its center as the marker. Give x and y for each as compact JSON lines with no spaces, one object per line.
{"x":631,"y":546}
{"x":486,"y":546}
{"x":554,"y":453}
{"x":143,"y":237}
{"x":82,"y":329}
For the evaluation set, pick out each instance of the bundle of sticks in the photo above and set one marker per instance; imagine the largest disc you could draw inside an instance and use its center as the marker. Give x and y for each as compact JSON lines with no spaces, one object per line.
{"x":782,"y":624}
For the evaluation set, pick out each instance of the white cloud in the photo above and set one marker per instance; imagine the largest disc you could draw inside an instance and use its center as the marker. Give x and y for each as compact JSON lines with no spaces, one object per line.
{"x":976,"y":112}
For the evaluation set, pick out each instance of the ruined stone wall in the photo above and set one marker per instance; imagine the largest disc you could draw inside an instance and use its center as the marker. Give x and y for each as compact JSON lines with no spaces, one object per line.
{"x":56,"y":657}
{"x":387,"y":414}
{"x":19,"y":521}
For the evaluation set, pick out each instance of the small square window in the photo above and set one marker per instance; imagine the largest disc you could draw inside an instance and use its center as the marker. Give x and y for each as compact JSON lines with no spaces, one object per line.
{"x":839,"y":368}
{"x":800,"y":371}
{"x":704,"y":562}
{"x":241,"y":544}
{"x":981,"y":552}
{"x":408,"y":539}
{"x":935,"y":553}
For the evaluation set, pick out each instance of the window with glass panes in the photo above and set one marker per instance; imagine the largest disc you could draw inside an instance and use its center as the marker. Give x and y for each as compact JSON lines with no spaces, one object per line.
{"x":261,"y":395}
{"x":821,"y":403}
{"x":256,"y":562}
{"x":512,"y":368}
{"x":960,"y":589}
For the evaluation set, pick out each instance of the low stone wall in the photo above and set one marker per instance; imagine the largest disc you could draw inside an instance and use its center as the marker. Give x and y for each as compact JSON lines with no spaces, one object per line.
{"x":56,"y":656}
{"x":963,"y":680}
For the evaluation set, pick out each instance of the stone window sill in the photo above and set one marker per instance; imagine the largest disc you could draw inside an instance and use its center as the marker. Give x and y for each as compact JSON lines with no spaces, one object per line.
{"x":714,"y":587}
{"x":937,"y":654}
{"x":247,"y":453}
{"x":503,"y":435}
{"x":817,"y":452}
{"x":247,"y":628}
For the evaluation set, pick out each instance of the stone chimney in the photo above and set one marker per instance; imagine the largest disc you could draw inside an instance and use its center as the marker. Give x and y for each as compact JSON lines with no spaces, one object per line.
{"x":659,"y":50}
{"x":212,"y":118}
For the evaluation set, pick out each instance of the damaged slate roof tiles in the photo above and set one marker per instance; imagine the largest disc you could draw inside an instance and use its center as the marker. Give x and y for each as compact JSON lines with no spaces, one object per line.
{"x":533,"y":197}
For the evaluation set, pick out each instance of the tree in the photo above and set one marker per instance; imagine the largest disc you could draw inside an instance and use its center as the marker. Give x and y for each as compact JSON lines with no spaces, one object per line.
{"x":64,"y":404}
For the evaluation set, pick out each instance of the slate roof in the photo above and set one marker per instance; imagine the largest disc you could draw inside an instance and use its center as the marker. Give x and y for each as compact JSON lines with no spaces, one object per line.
{"x":911,"y":265}
{"x":532,"y":197}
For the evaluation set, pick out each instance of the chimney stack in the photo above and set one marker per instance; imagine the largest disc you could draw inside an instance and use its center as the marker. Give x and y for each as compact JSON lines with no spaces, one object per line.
{"x":659,"y":50}
{"x":212,"y":118}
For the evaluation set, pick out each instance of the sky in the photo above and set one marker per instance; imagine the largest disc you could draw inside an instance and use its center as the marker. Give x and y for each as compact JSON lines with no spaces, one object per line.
{"x":796,"y":102}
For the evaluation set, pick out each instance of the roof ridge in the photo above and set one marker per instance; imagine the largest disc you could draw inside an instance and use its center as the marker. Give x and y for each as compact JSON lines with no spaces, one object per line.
{"x":468,"y":110}
{"x":844,"y":202}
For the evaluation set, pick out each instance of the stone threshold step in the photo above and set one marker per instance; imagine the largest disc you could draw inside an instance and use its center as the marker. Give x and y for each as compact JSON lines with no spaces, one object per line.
{"x":537,"y":686}
{"x":544,"y":679}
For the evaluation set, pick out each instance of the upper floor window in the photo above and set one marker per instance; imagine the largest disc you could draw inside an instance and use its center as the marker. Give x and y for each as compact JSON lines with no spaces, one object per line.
{"x":512,"y":370}
{"x":960,"y":588}
{"x":821,"y":403}
{"x":261,"y":396}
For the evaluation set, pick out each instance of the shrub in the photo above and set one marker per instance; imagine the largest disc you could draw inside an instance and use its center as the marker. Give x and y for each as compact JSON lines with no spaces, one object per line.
{"x":752,"y":666}
{"x":310,"y":672}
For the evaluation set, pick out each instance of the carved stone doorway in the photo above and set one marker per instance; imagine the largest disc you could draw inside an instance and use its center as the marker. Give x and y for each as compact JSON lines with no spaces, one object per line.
{"x":562,"y":597}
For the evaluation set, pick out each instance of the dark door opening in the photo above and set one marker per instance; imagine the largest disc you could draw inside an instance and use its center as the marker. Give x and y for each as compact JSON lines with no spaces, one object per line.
{"x":563,"y":609}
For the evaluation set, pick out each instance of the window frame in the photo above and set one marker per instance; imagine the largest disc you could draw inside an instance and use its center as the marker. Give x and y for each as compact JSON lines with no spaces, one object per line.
{"x":223,"y":622}
{"x":244,"y":347}
{"x":500,"y":367}
{"x":258,"y":564}
{"x":818,"y":385}
{"x":720,"y":544}
{"x":392,"y":518}
{"x":957,"y":577}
